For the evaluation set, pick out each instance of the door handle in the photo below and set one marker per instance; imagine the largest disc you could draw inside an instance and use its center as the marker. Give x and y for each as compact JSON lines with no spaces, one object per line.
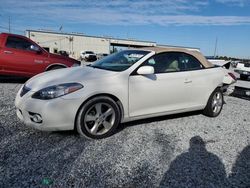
{"x":187,"y":81}
{"x":8,"y":52}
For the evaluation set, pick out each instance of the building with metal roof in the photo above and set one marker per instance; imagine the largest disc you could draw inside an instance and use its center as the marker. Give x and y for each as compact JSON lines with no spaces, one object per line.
{"x":75,"y":43}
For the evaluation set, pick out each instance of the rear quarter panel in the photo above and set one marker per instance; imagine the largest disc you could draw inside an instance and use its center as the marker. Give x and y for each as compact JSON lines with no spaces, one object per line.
{"x":57,"y":60}
{"x":1,"y":51}
{"x":214,"y":77}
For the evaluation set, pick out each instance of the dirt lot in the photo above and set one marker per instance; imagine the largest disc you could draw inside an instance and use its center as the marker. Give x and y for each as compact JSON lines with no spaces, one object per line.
{"x":185,"y":150}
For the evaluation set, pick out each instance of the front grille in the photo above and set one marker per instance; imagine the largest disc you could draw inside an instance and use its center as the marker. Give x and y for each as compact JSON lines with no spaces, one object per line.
{"x":24,"y":90}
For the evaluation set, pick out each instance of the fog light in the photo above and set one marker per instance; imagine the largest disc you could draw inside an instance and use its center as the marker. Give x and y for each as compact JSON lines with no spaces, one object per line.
{"x":37,"y":118}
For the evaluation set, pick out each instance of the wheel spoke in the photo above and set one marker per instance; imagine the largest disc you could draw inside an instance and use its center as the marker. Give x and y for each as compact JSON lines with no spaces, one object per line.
{"x":214,"y":103}
{"x":90,"y":118}
{"x":98,"y":108}
{"x":215,"y":108}
{"x":94,"y":128}
{"x":107,"y":125}
{"x":217,"y":96}
{"x":108,"y":112}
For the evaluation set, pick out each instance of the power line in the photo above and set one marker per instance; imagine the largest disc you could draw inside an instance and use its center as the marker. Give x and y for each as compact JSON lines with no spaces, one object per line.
{"x":8,"y":28}
{"x":4,"y":27}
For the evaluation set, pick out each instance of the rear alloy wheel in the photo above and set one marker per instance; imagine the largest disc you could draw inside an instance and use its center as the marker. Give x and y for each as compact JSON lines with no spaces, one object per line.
{"x":98,"y":118}
{"x":214,"y":104}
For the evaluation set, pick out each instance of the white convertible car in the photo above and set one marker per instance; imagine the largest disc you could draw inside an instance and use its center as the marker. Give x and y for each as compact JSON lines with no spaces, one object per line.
{"x":129,"y":85}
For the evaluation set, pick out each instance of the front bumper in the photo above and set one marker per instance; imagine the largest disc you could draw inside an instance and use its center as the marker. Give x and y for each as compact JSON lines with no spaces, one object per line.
{"x":56,"y":114}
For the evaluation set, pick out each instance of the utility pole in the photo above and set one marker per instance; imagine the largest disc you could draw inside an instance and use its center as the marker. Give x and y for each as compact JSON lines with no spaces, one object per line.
{"x":215,"y":49}
{"x":9,"y":24}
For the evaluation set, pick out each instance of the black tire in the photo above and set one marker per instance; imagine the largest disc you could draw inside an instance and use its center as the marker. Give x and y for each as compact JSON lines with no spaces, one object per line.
{"x":84,"y":126}
{"x":243,"y":77}
{"x":56,"y":67}
{"x":210,"y":110}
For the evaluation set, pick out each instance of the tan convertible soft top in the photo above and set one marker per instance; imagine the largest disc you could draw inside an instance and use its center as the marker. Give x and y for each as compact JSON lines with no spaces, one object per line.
{"x":194,"y":53}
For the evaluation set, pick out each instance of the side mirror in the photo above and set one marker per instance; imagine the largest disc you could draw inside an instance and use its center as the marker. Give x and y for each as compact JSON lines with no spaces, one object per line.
{"x":146,"y":70}
{"x":35,"y":48}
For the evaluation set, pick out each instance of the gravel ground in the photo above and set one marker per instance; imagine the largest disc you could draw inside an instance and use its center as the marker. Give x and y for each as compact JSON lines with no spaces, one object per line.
{"x":186,"y":150}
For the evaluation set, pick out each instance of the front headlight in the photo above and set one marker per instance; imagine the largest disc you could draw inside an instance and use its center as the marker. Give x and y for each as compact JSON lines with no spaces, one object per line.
{"x":56,"y":91}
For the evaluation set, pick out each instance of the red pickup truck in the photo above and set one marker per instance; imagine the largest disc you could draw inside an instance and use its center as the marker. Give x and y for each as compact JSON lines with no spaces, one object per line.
{"x":20,"y":56}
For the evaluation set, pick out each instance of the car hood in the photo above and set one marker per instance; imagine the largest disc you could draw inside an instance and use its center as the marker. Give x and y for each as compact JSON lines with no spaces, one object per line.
{"x":80,"y":74}
{"x":61,"y":57}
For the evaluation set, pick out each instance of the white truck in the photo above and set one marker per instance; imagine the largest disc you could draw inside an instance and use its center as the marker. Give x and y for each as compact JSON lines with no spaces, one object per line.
{"x":88,"y":56}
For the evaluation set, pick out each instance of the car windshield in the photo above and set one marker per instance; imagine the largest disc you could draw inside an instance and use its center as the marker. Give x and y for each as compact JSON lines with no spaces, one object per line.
{"x":120,"y":61}
{"x":89,"y":52}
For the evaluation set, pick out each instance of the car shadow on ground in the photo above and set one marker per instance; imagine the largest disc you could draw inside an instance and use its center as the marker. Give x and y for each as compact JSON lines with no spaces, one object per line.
{"x":123,"y":126}
{"x":65,"y":133}
{"x":157,"y":119}
{"x":12,"y":79}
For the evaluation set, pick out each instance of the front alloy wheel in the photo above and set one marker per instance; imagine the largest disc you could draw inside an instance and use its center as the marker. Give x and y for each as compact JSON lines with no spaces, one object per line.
{"x":98,"y":118}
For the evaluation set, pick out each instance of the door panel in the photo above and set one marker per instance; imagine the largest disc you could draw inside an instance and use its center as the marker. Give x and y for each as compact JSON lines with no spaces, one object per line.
{"x":23,"y":63}
{"x":200,"y":80}
{"x":203,"y":83}
{"x":158,"y":93}
{"x":180,"y":83}
{"x":18,"y":58}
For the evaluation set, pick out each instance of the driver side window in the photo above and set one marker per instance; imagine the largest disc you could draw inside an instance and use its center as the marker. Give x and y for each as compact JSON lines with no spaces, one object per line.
{"x":18,"y":43}
{"x":166,"y":62}
{"x":191,"y":63}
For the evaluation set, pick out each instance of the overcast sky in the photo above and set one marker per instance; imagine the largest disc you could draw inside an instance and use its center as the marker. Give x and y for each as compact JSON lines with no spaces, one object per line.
{"x":194,"y":23}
